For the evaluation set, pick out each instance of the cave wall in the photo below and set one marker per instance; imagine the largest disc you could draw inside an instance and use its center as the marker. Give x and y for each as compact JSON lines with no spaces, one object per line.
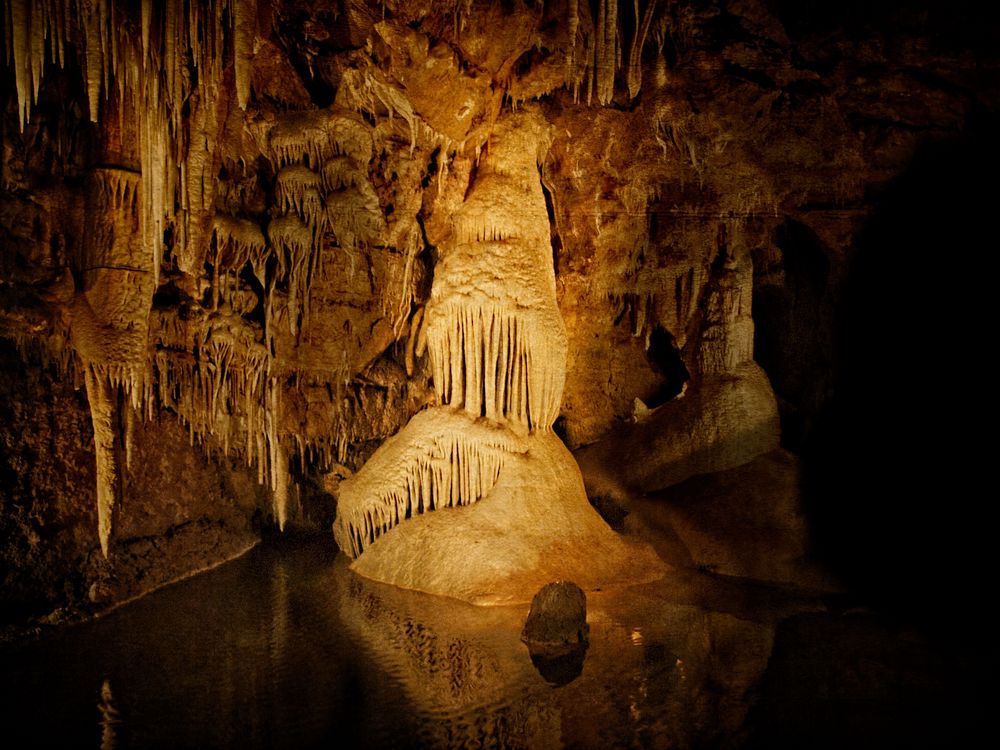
{"x":184,"y":510}
{"x":224,"y":221}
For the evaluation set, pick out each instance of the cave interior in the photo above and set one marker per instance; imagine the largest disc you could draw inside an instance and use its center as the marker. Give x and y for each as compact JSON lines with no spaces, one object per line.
{"x":426,"y":304}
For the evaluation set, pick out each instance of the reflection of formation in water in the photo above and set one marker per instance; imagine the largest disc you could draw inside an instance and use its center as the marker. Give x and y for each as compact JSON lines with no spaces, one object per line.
{"x":462,"y":667}
{"x":109,"y":716}
{"x":655,"y":674}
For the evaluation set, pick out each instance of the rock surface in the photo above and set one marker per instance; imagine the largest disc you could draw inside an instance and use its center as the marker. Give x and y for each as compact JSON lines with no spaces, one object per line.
{"x":720,"y":423}
{"x":557,"y":619}
{"x":184,"y":513}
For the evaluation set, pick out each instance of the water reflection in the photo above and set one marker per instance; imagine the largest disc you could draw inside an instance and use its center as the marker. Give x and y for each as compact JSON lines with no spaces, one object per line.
{"x":559,"y":669}
{"x":288,"y":648}
{"x":109,"y":717}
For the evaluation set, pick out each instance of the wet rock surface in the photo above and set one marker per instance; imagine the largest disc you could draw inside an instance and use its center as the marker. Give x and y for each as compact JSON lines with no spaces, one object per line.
{"x":184,"y":514}
{"x":557,"y":619}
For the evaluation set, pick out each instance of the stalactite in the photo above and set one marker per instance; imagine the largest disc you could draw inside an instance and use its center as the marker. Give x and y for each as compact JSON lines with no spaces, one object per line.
{"x":238,"y":241}
{"x":312,"y":136}
{"x":297,"y":188}
{"x":342,"y":172}
{"x":296,"y":243}
{"x":102,"y":409}
{"x":411,"y":341}
{"x":365,"y":90}
{"x":244,"y":22}
{"x":606,"y":50}
{"x":495,"y":337}
{"x":497,"y":362}
{"x":572,"y":25}
{"x":150,"y":71}
{"x":633,"y":69}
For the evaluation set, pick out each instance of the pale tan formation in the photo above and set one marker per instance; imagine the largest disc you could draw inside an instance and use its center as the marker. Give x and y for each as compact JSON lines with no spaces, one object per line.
{"x":170,"y":85}
{"x":726,"y":418}
{"x":110,"y":320}
{"x":497,"y":347}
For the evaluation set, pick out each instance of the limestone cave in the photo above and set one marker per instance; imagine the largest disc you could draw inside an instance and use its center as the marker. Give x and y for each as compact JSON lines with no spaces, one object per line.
{"x":335,"y":334}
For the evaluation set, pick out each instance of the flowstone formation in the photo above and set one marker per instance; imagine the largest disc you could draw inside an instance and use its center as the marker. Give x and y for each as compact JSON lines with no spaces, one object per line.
{"x":497,"y":348}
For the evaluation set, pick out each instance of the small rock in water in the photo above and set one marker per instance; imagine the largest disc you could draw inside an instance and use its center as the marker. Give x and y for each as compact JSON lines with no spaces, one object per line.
{"x":557,"y":620}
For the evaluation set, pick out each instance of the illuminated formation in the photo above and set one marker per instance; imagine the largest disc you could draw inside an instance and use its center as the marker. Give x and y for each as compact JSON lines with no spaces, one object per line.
{"x":497,"y":347}
{"x":170,"y":84}
{"x":109,"y":326}
{"x":257,"y":256}
{"x":494,"y":333}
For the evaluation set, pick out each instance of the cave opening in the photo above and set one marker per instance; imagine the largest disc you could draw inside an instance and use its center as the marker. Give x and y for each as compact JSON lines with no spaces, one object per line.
{"x":793,"y":326}
{"x":897,"y":439}
{"x":665,"y":359}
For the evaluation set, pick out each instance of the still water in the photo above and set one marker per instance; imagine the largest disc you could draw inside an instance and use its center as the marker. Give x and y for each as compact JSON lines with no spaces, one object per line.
{"x":285,"y":647}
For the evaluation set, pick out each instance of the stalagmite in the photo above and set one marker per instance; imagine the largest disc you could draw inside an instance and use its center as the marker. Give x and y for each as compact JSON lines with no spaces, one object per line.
{"x":495,"y":335}
{"x":509,"y":505}
{"x":443,"y":458}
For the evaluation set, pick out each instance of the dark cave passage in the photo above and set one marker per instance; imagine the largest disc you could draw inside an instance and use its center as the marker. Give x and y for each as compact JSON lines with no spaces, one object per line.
{"x":898,"y":471}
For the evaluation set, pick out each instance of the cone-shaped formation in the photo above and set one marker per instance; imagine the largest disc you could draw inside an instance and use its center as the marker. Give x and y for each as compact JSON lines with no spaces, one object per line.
{"x":497,"y":346}
{"x":441,"y":459}
{"x":533,"y":527}
{"x":102,"y":415}
{"x":498,"y":350}
{"x":110,"y":319}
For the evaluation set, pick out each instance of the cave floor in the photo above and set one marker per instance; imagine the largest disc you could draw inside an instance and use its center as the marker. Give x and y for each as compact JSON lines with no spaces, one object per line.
{"x":286,"y":647}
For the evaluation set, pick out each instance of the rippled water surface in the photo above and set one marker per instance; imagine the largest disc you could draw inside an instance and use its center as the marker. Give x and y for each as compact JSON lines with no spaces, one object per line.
{"x":285,"y":647}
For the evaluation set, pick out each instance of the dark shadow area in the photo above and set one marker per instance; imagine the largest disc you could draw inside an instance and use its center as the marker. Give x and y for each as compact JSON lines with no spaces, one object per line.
{"x":665,"y":359}
{"x":793,"y":337}
{"x":856,"y":681}
{"x":898,"y":481}
{"x":560,"y":669}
